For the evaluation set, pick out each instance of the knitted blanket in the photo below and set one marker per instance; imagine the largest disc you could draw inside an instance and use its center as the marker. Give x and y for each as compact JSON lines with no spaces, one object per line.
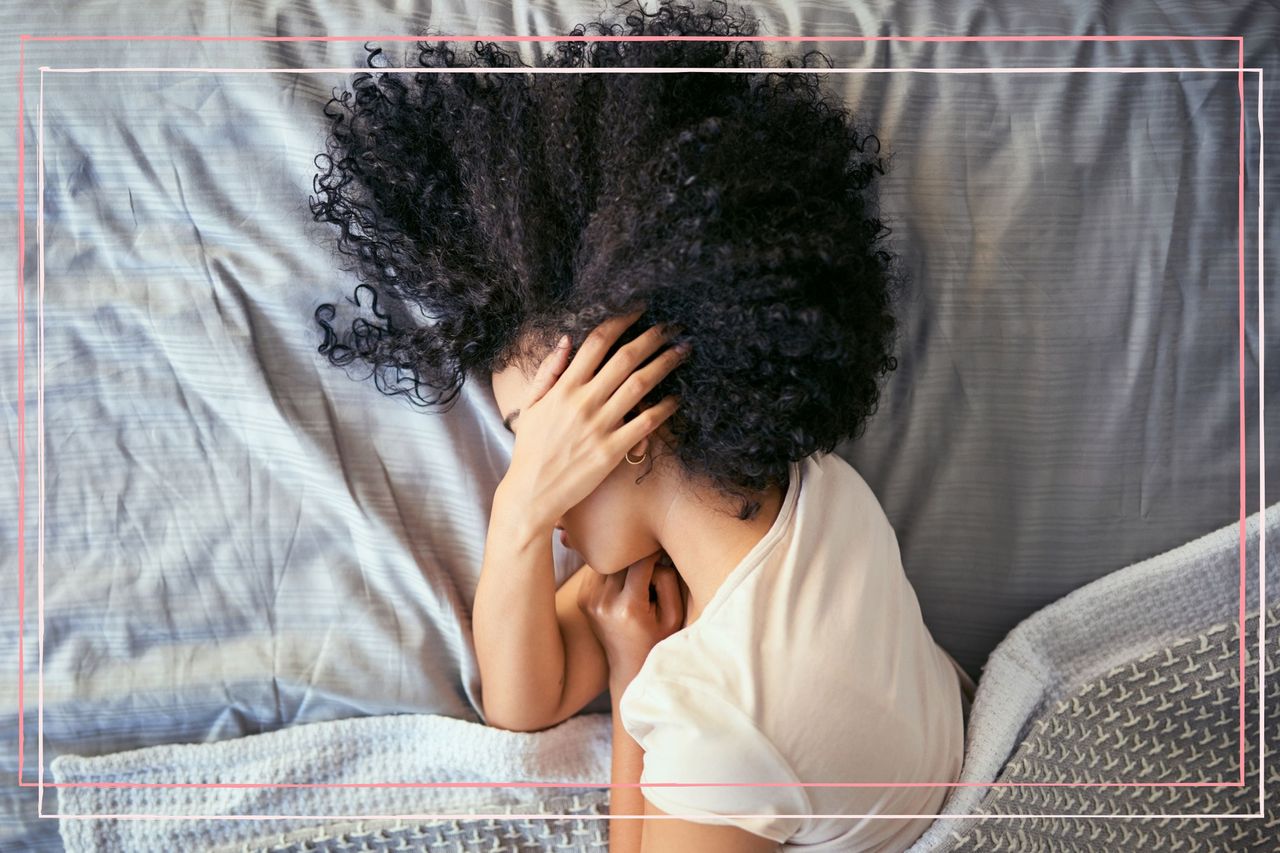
{"x":1171,"y":716}
{"x":399,"y":750}
{"x":1132,"y":678}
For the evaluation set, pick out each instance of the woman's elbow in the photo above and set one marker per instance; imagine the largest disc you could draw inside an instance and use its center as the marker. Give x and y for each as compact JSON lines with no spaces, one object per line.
{"x":514,"y":721}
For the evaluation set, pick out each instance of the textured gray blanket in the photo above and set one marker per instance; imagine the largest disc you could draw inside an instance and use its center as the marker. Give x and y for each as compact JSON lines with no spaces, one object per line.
{"x":1134,"y":678}
{"x":1131,"y":679}
{"x":1171,"y":716}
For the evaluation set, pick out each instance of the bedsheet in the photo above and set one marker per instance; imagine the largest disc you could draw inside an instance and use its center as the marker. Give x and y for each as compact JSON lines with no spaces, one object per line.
{"x":221,"y":535}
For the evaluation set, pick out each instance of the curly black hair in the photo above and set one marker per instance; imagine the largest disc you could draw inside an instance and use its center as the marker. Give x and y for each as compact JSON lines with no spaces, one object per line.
{"x":493,"y":212}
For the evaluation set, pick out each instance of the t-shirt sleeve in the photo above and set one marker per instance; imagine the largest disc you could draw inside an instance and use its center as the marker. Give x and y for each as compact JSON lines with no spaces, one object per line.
{"x":693,"y":734}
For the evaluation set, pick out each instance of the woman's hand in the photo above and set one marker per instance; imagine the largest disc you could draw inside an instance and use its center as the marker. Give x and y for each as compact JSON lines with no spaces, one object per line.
{"x":570,"y":434}
{"x":626,"y":620}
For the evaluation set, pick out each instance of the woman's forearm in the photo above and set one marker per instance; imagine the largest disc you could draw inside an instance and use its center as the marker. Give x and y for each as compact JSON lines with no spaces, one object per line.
{"x":519,"y":647}
{"x":627,"y":762}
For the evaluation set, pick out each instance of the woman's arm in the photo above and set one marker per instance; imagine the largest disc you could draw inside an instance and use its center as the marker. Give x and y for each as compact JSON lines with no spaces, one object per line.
{"x":627,"y":762}
{"x":539,"y":660}
{"x":631,"y":835}
{"x":629,"y":624}
{"x":562,"y":452}
{"x":668,"y":833}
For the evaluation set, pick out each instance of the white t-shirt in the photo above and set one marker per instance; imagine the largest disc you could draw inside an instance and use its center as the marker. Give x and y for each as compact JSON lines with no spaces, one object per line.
{"x":810,"y":663}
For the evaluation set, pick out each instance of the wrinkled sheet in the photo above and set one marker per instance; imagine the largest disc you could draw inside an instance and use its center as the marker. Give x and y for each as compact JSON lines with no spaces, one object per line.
{"x":238,"y":537}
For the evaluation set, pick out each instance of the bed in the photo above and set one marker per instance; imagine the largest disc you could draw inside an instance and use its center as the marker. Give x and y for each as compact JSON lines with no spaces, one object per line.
{"x":220,"y":535}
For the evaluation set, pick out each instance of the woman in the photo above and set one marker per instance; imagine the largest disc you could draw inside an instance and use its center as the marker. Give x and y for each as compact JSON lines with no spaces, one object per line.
{"x":743,"y":599}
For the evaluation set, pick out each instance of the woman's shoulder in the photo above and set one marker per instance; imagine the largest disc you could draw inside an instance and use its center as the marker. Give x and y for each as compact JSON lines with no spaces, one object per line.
{"x":833,"y":477}
{"x":841,"y":517}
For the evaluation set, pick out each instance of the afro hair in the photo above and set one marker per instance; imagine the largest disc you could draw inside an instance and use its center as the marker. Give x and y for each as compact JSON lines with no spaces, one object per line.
{"x":491,"y":212}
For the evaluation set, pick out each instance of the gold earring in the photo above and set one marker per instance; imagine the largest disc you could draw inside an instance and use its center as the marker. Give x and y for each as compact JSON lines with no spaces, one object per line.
{"x":636,"y":461}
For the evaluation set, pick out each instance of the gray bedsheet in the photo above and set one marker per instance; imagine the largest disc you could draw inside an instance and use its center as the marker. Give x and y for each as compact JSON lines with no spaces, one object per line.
{"x":239,"y":538}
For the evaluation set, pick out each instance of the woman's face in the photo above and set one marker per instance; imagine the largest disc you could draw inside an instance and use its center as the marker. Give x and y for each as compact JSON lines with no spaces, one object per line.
{"x":610,"y":527}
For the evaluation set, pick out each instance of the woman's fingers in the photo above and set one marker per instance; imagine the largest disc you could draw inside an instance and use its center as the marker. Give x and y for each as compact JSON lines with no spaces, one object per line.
{"x":670,"y":605}
{"x":551,"y":369}
{"x":638,"y":384}
{"x":630,"y":433}
{"x":596,"y":344}
{"x":612,"y":588}
{"x":625,"y":362}
{"x":636,"y":588}
{"x":598,"y":595}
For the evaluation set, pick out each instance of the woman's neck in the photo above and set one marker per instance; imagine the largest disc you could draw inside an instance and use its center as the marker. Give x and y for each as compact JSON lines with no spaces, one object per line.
{"x":706,"y":544}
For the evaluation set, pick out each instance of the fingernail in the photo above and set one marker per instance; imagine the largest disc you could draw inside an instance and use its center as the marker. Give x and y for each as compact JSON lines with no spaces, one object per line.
{"x":684,"y":347}
{"x":564,"y":341}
